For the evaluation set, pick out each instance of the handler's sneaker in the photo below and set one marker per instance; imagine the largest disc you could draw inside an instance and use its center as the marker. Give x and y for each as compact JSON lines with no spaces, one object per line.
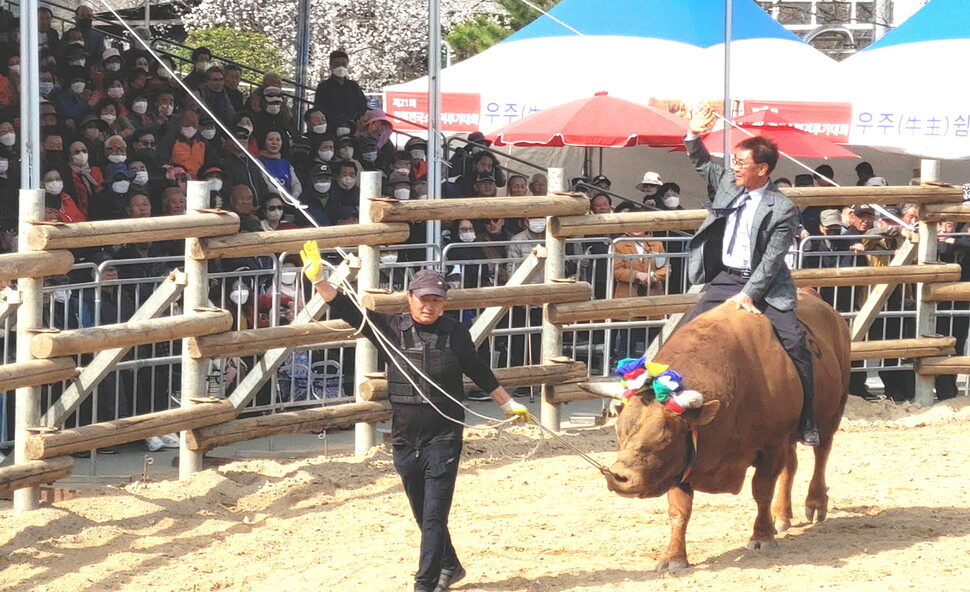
{"x":810,"y":438}
{"x":449,"y":577}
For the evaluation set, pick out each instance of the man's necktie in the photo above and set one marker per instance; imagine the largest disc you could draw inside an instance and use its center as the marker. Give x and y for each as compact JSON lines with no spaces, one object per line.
{"x":738,"y":211}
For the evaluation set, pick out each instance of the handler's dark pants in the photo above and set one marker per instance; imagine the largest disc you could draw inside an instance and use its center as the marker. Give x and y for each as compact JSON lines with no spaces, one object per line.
{"x":787,"y":328}
{"x":429,"y":475}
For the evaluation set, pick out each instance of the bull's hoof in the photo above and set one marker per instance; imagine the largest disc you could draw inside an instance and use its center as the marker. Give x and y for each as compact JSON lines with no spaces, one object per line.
{"x":671,"y":565}
{"x":814,"y":515}
{"x":782,"y":524}
{"x":754,"y":545}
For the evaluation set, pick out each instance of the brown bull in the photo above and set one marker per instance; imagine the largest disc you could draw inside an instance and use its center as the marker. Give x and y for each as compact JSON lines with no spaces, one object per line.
{"x":752,"y":400}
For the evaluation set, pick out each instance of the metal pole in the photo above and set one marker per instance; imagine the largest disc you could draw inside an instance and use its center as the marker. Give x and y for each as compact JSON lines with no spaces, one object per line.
{"x":551,"y":333}
{"x":30,"y":316}
{"x":728,"y":14}
{"x":30,"y":99}
{"x":880,"y":22}
{"x":302,"y":60}
{"x":435,"y":165}
{"x":368,"y":278}
{"x":148,"y":15}
{"x":926,"y":311}
{"x":196,"y":295}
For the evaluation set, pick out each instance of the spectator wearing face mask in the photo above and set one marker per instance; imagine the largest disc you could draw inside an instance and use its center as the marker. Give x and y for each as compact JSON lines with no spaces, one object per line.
{"x":270,"y":109}
{"x":398,"y":186}
{"x":87,"y":179}
{"x":279,"y":167}
{"x":669,"y":195}
{"x":239,"y":168}
{"x":109,"y":111}
{"x":94,"y":132}
{"x":137,"y":105}
{"x":346,"y":150}
{"x":73,"y":100}
{"x":344,"y":193}
{"x":56,"y":188}
{"x":338,"y":96}
{"x":141,"y":180}
{"x":271,"y":215}
{"x":316,"y":126}
{"x":461,"y":272}
{"x":417,"y":150}
{"x":376,"y":148}
{"x":316,"y":195}
{"x":112,"y":202}
{"x":216,"y":186}
{"x":323,"y":150}
{"x":483,"y":163}
{"x":186,"y":146}
{"x":111,"y":63}
{"x":160,"y":111}
{"x":214,"y":96}
{"x":201,"y":62}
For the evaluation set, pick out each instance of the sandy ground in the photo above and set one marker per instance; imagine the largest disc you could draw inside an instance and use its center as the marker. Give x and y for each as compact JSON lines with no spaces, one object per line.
{"x":529,"y":515}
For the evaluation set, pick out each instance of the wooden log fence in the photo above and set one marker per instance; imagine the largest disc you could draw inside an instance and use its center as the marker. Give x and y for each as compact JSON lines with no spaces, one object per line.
{"x":250,"y":244}
{"x":51,"y":343}
{"x":936,"y":365}
{"x":903,"y":348}
{"x":374,"y":387}
{"x":478,"y":207}
{"x":291,"y":422}
{"x":50,"y":443}
{"x":253,"y":341}
{"x":862,"y":276}
{"x":471,"y":298}
{"x":46,"y":236}
{"x":36,"y":373}
{"x":621,"y":309}
{"x":34,"y":265}
{"x":34,"y":473}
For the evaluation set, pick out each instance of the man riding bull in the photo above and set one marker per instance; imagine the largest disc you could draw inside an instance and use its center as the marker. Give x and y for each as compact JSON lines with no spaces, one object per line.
{"x":740,"y":248}
{"x":426,"y":424}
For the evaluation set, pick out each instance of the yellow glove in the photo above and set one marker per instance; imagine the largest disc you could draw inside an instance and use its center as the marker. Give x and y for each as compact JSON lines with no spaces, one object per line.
{"x":516,"y":411}
{"x":312,"y":264}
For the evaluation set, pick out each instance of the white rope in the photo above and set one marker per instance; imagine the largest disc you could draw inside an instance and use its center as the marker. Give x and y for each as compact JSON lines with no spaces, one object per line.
{"x":876,"y":207}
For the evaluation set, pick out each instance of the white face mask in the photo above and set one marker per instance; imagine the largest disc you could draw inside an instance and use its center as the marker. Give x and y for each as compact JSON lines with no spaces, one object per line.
{"x":80,"y":159}
{"x":370,"y":156}
{"x":466,"y":236}
{"x":389,"y":257}
{"x":166,"y":110}
{"x":322,"y":186}
{"x":340,"y":72}
{"x":202,"y":66}
{"x":215,"y":184}
{"x":120,"y":186}
{"x":4,"y":165}
{"x":274,"y":215}
{"x":418,"y":154}
{"x":108,"y":118}
{"x":8,"y":139}
{"x":403,"y":171}
{"x":320,"y":129}
{"x":54,"y":187}
{"x":61,"y":295}
{"x":325,"y":155}
{"x":402,"y":193}
{"x":14,"y":69}
{"x":347,"y":152}
{"x":116,"y":92}
{"x":347,"y":182}
{"x":141,"y":177}
{"x":77,"y":87}
{"x":273,"y":109}
{"x":188,"y":132}
{"x":163,"y":74}
{"x":208,"y":134}
{"x":46,"y":88}
{"x":112,"y":66}
{"x":116,"y":158}
{"x":671,"y":201}
{"x":239,"y":296}
{"x":78,"y":62}
{"x":537,"y":225}
{"x":343,"y":131}
{"x":139,"y":107}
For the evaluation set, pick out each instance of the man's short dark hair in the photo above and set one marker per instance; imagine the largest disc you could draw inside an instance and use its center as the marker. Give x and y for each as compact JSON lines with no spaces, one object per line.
{"x":233,"y":68}
{"x":212,"y":70}
{"x":337,"y":54}
{"x":338,"y":167}
{"x":200,"y":51}
{"x":825,"y":170}
{"x":763,"y":151}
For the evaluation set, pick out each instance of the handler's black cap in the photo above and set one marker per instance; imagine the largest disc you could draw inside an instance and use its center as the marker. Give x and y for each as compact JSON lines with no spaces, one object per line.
{"x":428,"y":282}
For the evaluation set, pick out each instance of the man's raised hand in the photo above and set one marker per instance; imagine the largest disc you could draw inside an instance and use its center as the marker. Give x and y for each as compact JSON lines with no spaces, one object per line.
{"x":702,"y":120}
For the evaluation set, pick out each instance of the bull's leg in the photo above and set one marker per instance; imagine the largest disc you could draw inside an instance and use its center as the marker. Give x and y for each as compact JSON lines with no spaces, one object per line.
{"x":817,"y":501}
{"x":766,"y":473}
{"x":680,"y":503}
{"x":781,"y":509}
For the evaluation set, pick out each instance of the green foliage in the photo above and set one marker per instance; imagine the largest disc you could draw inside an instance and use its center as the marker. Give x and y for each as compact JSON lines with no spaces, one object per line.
{"x":481,"y":32}
{"x":245,"y":47}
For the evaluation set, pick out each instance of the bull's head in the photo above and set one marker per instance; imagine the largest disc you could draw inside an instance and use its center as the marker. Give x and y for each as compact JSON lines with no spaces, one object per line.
{"x":655,"y":444}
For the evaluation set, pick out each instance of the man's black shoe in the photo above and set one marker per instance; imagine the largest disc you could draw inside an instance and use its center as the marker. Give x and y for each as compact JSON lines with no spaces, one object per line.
{"x":810,"y":438}
{"x":449,"y":577}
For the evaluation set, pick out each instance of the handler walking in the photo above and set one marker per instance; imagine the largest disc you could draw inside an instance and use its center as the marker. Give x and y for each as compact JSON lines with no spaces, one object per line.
{"x":740,"y":248}
{"x":426,"y":425}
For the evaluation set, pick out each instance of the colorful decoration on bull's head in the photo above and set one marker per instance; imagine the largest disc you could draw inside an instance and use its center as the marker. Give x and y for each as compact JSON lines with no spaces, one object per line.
{"x":640,"y":377}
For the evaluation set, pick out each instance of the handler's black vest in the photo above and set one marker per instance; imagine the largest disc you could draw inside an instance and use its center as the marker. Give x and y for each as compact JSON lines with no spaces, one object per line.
{"x":435,"y":359}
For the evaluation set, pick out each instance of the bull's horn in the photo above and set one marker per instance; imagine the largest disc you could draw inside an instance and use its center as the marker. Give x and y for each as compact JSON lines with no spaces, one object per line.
{"x":689,"y":399}
{"x":607,"y":390}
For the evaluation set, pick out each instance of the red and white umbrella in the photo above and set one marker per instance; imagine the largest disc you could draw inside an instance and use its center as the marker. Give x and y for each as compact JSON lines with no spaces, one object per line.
{"x":599,"y":121}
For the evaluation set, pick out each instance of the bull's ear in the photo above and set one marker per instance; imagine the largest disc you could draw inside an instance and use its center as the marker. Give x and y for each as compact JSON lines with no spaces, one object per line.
{"x":707,"y":412}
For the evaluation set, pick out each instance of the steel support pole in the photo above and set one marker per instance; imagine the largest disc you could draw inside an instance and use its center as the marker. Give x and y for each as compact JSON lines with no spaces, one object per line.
{"x":30,"y":315}
{"x":435,"y":164}
{"x":552,"y":333}
{"x":368,"y":278}
{"x":926,"y":311}
{"x":196,"y":295}
{"x":728,"y":33}
{"x":302,"y":60}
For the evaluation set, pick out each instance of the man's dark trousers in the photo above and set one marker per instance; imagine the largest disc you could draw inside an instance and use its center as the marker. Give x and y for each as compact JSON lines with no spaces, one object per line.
{"x":787,"y":328}
{"x":429,"y":475}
